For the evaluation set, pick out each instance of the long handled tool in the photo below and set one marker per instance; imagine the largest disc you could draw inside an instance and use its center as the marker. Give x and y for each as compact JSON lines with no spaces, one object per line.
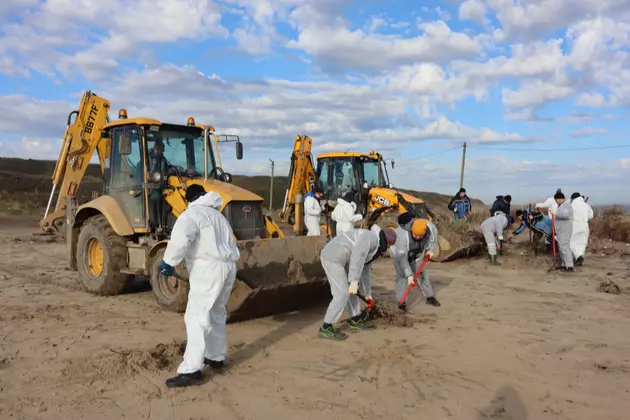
{"x":553,"y":238}
{"x":415,"y":279}
{"x":553,"y":242}
{"x":370,"y":304}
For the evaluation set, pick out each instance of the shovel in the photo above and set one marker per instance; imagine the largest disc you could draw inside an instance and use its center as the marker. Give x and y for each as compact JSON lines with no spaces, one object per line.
{"x":415,"y":279}
{"x":368,"y":308}
{"x":553,"y":242}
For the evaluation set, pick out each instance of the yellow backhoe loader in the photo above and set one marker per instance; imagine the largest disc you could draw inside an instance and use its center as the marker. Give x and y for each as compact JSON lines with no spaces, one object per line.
{"x":147,"y":166}
{"x":362,"y":176}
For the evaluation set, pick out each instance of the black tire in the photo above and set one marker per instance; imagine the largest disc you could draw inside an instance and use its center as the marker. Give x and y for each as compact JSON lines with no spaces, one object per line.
{"x":171,"y":293}
{"x":110,"y":281}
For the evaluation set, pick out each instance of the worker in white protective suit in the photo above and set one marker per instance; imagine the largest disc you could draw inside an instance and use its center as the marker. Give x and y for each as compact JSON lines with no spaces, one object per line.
{"x":347,"y":261}
{"x":564,"y":228}
{"x":312,"y":210}
{"x":493,"y":229}
{"x":582,"y":213}
{"x":344,"y":215}
{"x":203,"y":237}
{"x":549,"y":204}
{"x":415,"y":238}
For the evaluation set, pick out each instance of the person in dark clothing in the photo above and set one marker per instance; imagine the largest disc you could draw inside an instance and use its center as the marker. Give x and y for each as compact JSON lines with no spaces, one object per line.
{"x":502,"y":203}
{"x":460,"y":205}
{"x":157,"y":163}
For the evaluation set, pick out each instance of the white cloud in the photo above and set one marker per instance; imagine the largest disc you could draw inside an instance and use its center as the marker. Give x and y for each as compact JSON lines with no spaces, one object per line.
{"x":54,"y":36}
{"x":334,"y":45}
{"x":594,"y":100}
{"x":589,"y":131}
{"x":537,"y":92}
{"x":474,"y":10}
{"x":527,"y":20}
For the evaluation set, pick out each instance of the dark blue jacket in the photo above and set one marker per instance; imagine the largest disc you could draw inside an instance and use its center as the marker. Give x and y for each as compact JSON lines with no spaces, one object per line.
{"x":500,"y":205}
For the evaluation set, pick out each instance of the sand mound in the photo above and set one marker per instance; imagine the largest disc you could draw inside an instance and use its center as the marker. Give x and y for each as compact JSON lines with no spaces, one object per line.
{"x":609,"y":286}
{"x":128,"y":362}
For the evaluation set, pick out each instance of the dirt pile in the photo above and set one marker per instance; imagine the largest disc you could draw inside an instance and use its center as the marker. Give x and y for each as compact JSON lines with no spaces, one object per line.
{"x":128,"y":362}
{"x":609,"y":286}
{"x":459,"y":239}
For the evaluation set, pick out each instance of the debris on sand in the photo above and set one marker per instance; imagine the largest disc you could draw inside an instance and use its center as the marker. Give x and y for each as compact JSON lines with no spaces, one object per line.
{"x":128,"y":362}
{"x":390,"y":313}
{"x":609,"y":286}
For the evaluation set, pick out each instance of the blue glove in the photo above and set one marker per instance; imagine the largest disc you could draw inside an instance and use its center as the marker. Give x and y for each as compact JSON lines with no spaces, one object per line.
{"x":166,"y":269}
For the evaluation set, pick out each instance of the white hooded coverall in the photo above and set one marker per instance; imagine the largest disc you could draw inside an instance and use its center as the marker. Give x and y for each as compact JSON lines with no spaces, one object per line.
{"x":400,"y":258}
{"x":343,"y":260}
{"x":203,"y":238}
{"x":492,"y":230}
{"x":312,"y":211}
{"x":549,"y":204}
{"x":344,"y":216}
{"x":564,"y":229}
{"x":582,"y":213}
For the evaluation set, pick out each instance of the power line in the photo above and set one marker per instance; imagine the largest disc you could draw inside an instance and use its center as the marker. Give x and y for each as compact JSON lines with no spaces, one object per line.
{"x":549,"y":150}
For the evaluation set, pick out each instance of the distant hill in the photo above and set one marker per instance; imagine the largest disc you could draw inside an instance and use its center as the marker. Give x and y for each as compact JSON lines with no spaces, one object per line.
{"x":26,"y":183}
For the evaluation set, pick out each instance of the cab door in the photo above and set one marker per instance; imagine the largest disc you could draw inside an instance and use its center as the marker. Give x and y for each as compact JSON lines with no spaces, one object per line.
{"x":127,"y":174}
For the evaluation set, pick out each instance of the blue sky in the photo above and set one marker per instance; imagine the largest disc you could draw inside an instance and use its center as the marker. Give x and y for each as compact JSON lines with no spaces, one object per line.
{"x":520,"y":82}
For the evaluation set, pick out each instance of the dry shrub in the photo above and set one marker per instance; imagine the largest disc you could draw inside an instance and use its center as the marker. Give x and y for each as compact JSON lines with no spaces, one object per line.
{"x":611,"y":224}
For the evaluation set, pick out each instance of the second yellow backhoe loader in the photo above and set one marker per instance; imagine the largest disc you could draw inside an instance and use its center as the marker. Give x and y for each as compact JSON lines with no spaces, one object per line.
{"x":147,"y":166}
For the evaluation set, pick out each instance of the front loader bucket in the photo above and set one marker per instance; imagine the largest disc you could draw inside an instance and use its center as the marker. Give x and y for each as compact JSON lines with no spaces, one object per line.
{"x":278,"y":276}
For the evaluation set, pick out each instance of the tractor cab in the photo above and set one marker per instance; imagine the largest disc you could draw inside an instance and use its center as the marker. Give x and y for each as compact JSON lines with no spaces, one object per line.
{"x":148,"y":159}
{"x":352,"y":175}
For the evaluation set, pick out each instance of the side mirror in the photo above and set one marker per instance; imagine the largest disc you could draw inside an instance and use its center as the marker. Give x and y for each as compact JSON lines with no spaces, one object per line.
{"x":239,"y":150}
{"x":124,"y":145}
{"x":226,"y":177}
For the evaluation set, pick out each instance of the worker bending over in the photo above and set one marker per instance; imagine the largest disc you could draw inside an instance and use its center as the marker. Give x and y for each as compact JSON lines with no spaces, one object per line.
{"x":582,"y":213}
{"x":538,"y":223}
{"x":493,"y":231}
{"x":564,"y":228}
{"x":312,"y":210}
{"x":344,"y":215}
{"x":203,"y":238}
{"x":347,"y":260}
{"x":415,"y":239}
{"x":502,"y":204}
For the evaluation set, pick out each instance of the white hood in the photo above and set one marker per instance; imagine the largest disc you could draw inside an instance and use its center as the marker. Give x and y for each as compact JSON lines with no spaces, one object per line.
{"x":209,"y":199}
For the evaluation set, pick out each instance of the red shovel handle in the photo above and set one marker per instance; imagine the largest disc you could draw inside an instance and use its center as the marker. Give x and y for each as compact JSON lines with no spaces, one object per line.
{"x":415,"y":279}
{"x":553,"y":238}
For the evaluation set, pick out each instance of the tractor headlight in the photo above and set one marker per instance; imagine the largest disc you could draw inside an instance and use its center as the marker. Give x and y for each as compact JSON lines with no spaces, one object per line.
{"x":157,"y":177}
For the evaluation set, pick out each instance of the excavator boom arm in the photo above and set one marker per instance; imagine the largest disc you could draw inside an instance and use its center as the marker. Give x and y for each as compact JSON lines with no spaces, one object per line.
{"x":302,"y":176}
{"x":81,"y":139}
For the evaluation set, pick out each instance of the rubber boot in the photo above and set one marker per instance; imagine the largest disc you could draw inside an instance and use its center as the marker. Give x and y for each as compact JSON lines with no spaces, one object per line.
{"x":579,"y":262}
{"x":493,"y":260}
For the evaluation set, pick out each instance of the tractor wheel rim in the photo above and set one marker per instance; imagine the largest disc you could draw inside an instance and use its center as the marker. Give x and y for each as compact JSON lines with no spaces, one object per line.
{"x":169,"y":286}
{"x":95,"y":257}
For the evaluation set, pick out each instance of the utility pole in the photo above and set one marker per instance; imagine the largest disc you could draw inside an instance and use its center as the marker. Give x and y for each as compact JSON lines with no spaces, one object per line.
{"x":271,"y":187}
{"x":461,"y":178}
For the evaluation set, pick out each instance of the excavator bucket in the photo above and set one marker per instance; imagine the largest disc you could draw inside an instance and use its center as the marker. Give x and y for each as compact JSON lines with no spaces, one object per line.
{"x":278,"y":276}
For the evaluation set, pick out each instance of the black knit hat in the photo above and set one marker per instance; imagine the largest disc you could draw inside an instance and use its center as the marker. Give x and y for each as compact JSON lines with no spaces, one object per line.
{"x":193,"y":192}
{"x":558,"y":195}
{"x":575,"y":195}
{"x":462,"y":190}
